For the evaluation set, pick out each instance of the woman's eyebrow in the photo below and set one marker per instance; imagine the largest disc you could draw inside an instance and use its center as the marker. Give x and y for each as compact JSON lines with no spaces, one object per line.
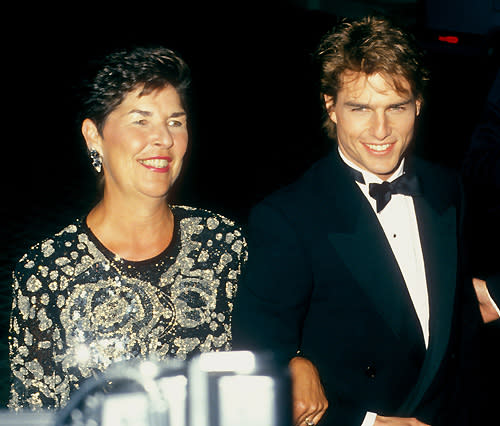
{"x":178,"y":114}
{"x":141,"y":112}
{"x":146,"y":113}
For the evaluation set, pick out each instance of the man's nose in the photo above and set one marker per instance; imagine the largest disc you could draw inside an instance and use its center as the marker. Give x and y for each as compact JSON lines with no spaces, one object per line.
{"x":380,"y":126}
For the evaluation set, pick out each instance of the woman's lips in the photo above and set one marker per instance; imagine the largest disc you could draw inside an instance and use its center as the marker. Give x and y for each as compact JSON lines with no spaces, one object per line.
{"x":157,"y":164}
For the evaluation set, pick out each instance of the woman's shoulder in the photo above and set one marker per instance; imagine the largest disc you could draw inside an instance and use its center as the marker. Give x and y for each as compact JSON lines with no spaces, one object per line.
{"x":209,"y":218}
{"x":217,"y":231}
{"x":51,"y":249}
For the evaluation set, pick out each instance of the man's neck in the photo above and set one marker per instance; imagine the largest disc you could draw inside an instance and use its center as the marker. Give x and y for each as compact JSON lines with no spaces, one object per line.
{"x":370,"y":177}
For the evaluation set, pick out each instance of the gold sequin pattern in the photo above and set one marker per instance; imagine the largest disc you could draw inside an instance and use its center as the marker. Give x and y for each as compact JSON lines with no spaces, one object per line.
{"x":77,"y":307}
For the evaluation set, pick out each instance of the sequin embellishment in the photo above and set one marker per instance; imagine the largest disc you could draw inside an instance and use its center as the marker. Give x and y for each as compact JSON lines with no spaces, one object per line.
{"x":77,"y":307}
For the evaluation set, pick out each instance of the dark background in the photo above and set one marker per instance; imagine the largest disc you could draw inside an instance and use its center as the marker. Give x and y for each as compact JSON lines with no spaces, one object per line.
{"x":255,"y":114}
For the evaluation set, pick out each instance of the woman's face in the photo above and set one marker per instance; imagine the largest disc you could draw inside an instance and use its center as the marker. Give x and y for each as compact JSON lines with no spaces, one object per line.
{"x":143,"y":144}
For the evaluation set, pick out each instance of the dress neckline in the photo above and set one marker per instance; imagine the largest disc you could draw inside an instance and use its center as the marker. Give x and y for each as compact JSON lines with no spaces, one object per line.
{"x":169,"y":251}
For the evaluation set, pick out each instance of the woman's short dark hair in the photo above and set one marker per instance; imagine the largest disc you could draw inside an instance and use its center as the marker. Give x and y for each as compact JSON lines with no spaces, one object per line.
{"x":369,"y":45}
{"x":124,"y":71}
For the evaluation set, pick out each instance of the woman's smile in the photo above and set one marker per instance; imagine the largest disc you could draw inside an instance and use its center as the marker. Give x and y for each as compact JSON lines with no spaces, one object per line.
{"x":157,"y":164}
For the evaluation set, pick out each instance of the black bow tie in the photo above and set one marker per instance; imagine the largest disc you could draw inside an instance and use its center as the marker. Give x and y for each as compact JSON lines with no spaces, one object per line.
{"x":382,"y":192}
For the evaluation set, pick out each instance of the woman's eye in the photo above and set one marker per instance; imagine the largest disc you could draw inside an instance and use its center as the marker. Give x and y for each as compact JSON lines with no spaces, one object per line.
{"x":174,"y":123}
{"x":141,"y":122}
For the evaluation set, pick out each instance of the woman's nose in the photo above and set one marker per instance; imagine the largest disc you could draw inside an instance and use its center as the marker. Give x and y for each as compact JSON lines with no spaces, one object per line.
{"x":164,"y":136}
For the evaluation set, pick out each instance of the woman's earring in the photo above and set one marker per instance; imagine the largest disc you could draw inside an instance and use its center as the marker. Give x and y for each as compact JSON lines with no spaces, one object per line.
{"x":96,"y":160}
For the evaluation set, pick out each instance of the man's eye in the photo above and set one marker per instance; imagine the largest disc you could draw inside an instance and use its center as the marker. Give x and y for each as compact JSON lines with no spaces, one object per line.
{"x":141,"y":122}
{"x":360,"y":109}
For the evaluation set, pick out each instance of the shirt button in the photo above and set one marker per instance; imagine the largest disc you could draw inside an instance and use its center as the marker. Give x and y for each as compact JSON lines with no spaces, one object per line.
{"x":371,"y":371}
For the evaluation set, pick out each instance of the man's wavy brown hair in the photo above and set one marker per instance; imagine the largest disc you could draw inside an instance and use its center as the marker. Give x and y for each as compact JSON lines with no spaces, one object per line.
{"x":369,"y":45}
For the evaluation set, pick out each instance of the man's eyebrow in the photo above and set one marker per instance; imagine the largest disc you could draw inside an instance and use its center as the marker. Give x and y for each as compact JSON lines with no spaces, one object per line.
{"x":361,"y":105}
{"x":178,"y":114}
{"x":356,"y":104}
{"x":400,"y":104}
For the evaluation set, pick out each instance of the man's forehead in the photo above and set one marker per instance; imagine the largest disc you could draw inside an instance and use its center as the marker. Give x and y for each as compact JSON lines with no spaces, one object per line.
{"x":356,"y":83}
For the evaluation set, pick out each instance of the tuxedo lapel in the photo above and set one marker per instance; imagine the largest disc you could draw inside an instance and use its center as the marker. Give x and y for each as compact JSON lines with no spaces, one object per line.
{"x":359,"y":240}
{"x":436,"y":217}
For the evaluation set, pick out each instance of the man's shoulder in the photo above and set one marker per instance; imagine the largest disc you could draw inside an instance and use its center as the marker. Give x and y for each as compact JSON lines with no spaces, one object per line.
{"x":426,"y":165}
{"x":439,"y":184}
{"x":435,"y":175}
{"x":305,"y":201}
{"x":312,"y":181}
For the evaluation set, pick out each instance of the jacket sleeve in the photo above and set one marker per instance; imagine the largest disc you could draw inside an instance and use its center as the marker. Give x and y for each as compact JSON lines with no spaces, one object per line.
{"x":274,"y":293}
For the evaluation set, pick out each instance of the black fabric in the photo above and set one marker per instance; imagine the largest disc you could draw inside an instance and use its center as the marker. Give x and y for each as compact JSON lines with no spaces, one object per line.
{"x":404,"y":184}
{"x":322,"y":279}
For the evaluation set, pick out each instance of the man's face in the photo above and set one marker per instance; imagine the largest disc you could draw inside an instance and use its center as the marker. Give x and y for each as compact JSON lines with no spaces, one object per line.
{"x":375,"y":123}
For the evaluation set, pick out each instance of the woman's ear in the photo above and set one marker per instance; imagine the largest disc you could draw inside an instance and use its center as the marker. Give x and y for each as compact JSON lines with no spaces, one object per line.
{"x":330,"y":107}
{"x":91,"y":135}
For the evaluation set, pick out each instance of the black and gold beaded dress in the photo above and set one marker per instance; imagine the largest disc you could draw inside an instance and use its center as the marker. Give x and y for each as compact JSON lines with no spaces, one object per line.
{"x":77,"y":307}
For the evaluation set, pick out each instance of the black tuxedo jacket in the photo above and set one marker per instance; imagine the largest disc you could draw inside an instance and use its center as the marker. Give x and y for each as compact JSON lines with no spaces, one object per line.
{"x":322,"y":279}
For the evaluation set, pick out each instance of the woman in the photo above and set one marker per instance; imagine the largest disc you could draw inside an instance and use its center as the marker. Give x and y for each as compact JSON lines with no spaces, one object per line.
{"x":136,"y":277}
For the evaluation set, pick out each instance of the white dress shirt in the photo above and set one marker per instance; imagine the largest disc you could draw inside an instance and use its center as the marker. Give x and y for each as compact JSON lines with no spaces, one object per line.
{"x":399,"y":222}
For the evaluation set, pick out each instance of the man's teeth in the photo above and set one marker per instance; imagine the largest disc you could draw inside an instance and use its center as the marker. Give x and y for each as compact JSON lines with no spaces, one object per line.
{"x":156,"y":163}
{"x":379,"y":147}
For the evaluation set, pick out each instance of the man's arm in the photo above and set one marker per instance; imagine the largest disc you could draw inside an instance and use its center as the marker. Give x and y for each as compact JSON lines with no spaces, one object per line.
{"x":273,"y":294}
{"x":272,"y":302}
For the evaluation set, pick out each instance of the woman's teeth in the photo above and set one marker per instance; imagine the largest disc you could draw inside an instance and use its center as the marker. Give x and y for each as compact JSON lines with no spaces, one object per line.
{"x":156,"y":163}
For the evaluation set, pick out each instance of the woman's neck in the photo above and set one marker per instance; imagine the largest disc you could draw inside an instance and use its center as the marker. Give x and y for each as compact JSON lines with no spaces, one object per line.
{"x":134,"y":231}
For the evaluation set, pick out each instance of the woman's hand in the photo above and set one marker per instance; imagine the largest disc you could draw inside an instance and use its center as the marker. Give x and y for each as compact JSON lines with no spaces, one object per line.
{"x":309,"y":401}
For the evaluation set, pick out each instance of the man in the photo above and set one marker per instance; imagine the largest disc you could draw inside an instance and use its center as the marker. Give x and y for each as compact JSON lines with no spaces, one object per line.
{"x":481,"y":172}
{"x":356,"y":265}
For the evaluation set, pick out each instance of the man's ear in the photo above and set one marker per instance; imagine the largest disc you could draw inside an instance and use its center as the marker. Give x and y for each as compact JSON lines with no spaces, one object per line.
{"x":418,"y":104}
{"x":330,"y":107}
{"x":91,"y":135}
